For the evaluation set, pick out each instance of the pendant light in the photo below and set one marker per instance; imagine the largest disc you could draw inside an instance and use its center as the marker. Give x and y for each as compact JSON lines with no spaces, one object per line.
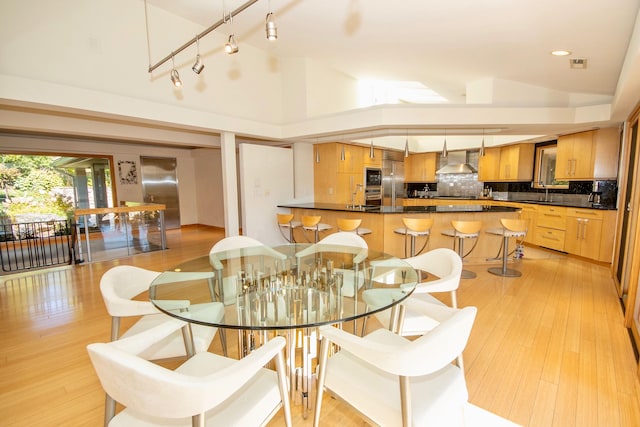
{"x":199,"y":65}
{"x":372,"y":153}
{"x":445,"y":153}
{"x":270,"y":26}
{"x":482,"y":145}
{"x":406,"y":145}
{"x":342,"y":155}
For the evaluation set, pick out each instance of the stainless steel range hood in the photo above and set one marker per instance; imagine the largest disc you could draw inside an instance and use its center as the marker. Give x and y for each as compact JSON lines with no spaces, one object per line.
{"x":457,"y":162}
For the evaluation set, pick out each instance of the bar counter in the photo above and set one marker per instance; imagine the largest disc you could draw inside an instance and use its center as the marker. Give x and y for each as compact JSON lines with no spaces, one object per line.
{"x":383,"y":220}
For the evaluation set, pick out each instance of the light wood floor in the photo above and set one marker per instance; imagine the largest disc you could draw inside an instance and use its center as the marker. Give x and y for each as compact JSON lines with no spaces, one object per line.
{"x":547,"y":349}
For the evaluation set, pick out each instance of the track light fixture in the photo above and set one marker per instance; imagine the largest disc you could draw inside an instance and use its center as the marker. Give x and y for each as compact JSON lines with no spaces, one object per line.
{"x":270,"y":27}
{"x":199,"y":65}
{"x":231,"y":46}
{"x":482,"y":145}
{"x":175,"y":76}
{"x":445,"y":153}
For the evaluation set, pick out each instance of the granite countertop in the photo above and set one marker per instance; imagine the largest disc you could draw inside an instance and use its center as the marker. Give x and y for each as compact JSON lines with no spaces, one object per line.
{"x":401,"y":209}
{"x":583,"y":205}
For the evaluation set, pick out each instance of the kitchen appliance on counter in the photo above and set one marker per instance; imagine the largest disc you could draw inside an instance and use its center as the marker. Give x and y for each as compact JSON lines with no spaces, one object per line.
{"x":393,"y":190}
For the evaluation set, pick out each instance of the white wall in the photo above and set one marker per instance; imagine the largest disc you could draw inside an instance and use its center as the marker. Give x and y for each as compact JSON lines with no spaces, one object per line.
{"x":208,"y":187}
{"x":266,"y":180}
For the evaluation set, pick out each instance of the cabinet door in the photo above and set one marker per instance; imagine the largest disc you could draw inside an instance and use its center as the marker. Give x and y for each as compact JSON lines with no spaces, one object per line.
{"x":489,"y":165}
{"x":508,"y":162}
{"x":564,"y":156}
{"x":420,"y":167}
{"x":376,"y":162}
{"x":528,"y":213}
{"x":591,"y":233}
{"x":583,"y":155}
{"x":573,"y":235}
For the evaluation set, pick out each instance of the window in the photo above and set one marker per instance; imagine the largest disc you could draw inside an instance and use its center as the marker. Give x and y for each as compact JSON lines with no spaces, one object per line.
{"x":545,"y":172}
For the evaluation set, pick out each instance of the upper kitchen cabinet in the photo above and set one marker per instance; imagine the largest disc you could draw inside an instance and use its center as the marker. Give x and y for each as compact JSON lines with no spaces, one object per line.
{"x":489,"y":165}
{"x":516,"y":162}
{"x":376,"y":161}
{"x":420,"y":167}
{"x":353,"y":158}
{"x":588,"y":155}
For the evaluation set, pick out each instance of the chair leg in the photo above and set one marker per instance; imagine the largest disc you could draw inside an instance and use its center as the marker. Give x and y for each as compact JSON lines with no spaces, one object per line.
{"x":197,"y":420}
{"x":322,"y":371}
{"x":282,"y":382}
{"x":109,"y":409}
{"x":405,"y":401}
{"x":115,"y":328}
{"x":460,"y":363}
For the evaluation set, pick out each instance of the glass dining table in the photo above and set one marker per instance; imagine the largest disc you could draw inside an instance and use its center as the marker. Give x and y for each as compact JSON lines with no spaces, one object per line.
{"x":286,"y":290}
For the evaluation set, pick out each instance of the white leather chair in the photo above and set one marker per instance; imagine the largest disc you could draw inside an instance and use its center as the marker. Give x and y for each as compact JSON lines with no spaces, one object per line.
{"x":393,"y":381}
{"x":120,"y":284}
{"x":227,"y":286}
{"x":207,"y":389}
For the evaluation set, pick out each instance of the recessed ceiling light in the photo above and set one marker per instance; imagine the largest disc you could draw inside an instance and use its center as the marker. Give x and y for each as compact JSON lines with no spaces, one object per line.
{"x":560,"y":53}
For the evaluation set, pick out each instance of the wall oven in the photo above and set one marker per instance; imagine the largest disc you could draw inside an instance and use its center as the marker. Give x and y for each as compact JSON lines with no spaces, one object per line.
{"x":372,"y":177}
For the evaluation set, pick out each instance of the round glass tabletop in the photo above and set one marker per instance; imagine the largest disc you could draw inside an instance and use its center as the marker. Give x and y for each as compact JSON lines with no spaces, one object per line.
{"x":284,"y":287}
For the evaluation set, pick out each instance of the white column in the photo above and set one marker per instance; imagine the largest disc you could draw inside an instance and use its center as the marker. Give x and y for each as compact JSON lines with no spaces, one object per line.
{"x":229,"y":184}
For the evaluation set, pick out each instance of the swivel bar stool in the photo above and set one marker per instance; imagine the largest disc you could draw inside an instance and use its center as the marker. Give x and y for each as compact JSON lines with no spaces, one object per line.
{"x":413,"y":228}
{"x":510,"y":228}
{"x":353,"y":225}
{"x":285,"y":221}
{"x":312,"y":223}
{"x":464,"y":230}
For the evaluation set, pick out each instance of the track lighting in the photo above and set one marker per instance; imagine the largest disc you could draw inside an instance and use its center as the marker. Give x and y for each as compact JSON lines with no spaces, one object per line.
{"x":482,"y":145}
{"x":175,"y":76}
{"x":199,"y":65}
{"x":445,"y":153}
{"x":231,"y":46}
{"x":270,"y":27}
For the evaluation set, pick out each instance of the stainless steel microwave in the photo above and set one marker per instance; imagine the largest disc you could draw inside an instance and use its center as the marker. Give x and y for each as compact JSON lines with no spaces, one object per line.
{"x":372,"y":177}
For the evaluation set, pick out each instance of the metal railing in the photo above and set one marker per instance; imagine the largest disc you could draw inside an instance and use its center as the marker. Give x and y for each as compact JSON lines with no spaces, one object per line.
{"x":25,"y":246}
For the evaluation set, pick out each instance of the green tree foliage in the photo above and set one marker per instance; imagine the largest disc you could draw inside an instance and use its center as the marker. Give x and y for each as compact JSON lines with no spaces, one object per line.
{"x":30,"y":185}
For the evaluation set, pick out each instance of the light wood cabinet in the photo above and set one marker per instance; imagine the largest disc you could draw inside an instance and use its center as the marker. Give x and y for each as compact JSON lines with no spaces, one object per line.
{"x":588,"y":155}
{"x":551,"y":223}
{"x":420,"y":167}
{"x":584,"y":228}
{"x":334,"y":180}
{"x":489,"y":165}
{"x":574,"y":159}
{"x":528,"y":213}
{"x":516,"y":162}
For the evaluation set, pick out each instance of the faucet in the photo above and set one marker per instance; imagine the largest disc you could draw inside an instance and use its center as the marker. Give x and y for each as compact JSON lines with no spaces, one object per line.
{"x":546,"y":191}
{"x":353,"y":196}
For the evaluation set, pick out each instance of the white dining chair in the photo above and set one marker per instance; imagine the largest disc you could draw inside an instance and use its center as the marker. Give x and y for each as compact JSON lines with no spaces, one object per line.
{"x":393,"y":381}
{"x":207,"y":389}
{"x":120,"y":284}
{"x":225,"y":248}
{"x":443,"y":268}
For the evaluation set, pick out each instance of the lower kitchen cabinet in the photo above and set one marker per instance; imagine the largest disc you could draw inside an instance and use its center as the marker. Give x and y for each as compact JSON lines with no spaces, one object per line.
{"x":550,"y":227}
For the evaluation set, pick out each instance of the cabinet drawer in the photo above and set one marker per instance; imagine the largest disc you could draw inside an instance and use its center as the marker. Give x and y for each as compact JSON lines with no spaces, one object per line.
{"x":551,"y":217}
{"x":550,"y":238}
{"x":585,"y":213}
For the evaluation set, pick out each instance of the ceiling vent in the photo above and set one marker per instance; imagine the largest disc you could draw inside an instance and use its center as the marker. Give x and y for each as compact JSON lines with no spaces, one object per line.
{"x":578,"y":63}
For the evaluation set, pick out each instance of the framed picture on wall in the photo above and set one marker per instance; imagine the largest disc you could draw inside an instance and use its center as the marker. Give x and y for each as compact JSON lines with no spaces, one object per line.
{"x":128,"y":172}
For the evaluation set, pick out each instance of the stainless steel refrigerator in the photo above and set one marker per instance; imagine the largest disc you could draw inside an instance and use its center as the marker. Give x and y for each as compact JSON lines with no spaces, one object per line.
{"x":393,"y":190}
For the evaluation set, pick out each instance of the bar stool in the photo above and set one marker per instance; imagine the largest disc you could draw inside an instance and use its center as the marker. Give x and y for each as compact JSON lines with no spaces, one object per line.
{"x":413,"y":228}
{"x":286,"y":221}
{"x":312,"y":223}
{"x":353,"y":225}
{"x":464,"y":230}
{"x":510,"y":228}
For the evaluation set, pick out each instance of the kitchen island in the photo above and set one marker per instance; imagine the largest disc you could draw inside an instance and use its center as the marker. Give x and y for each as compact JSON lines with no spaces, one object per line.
{"x":383,"y":220}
